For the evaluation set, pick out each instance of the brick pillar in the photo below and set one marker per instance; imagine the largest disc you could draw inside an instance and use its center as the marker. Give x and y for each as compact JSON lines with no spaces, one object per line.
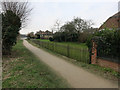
{"x":94,"y":53}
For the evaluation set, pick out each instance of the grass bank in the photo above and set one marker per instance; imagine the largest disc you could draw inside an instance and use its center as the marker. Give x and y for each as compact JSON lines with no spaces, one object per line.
{"x":22,"y":69}
{"x":101,"y":71}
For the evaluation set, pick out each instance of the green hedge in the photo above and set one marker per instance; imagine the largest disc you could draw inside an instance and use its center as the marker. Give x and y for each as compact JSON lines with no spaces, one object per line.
{"x":108,"y":43}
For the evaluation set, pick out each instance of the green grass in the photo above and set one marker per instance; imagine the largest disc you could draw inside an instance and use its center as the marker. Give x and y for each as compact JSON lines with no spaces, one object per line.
{"x":77,"y":51}
{"x":98,"y":70}
{"x":45,"y":40}
{"x":24,"y":70}
{"x":72,"y":44}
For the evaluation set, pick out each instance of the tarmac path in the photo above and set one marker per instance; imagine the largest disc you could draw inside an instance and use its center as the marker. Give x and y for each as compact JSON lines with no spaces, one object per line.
{"x":75,"y":76}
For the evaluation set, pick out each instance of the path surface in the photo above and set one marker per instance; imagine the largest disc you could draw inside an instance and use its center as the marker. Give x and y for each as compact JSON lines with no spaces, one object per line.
{"x":76,"y":76}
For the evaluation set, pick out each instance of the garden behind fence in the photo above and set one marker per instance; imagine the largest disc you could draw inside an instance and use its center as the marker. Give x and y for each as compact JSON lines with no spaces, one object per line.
{"x":79,"y":54}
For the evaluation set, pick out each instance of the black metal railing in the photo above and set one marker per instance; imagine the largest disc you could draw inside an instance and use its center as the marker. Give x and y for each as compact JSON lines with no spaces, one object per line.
{"x":79,"y":54}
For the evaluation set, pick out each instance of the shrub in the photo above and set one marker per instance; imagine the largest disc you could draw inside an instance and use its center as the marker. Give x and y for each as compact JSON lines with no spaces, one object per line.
{"x":10,"y":30}
{"x":51,"y":39}
{"x":31,"y":35}
{"x":108,"y":42}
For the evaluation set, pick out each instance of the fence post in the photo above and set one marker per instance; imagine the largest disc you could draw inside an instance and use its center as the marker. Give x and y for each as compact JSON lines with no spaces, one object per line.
{"x":48,"y":46}
{"x":39,"y":44}
{"x":42,"y":44}
{"x":55,"y":49}
{"x":53,"y":46}
{"x":81,"y":52}
{"x":94,"y":53}
{"x":68,"y":50}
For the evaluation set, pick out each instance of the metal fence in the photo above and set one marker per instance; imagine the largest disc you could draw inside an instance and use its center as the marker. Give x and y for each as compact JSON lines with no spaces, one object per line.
{"x":111,"y":53}
{"x":80,"y":54}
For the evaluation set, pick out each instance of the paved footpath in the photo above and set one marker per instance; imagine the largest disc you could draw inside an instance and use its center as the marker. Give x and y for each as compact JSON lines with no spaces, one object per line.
{"x":76,"y":76}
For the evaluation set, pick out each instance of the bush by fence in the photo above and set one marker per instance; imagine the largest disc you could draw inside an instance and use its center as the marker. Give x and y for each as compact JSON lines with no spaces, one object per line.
{"x":79,"y":54}
{"x":108,"y":44}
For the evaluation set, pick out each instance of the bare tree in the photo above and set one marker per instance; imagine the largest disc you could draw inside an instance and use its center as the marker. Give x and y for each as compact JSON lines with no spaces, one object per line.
{"x":21,"y":9}
{"x":57,"y":25}
{"x":81,"y":24}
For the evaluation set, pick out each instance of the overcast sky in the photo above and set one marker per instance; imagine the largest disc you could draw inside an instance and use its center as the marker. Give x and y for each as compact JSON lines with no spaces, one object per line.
{"x":45,"y":13}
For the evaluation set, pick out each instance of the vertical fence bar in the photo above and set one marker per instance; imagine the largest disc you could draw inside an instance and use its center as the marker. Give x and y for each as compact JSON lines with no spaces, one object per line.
{"x":39,"y":43}
{"x":86,"y":56}
{"x":68,"y":50}
{"x":45,"y":44}
{"x":53,"y":46}
{"x":48,"y":45}
{"x":81,"y":54}
{"x":42,"y":44}
{"x":56,"y":47}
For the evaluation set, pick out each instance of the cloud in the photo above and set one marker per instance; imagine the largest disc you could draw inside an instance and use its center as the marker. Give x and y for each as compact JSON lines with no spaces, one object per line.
{"x":45,"y":14}
{"x":73,"y":0}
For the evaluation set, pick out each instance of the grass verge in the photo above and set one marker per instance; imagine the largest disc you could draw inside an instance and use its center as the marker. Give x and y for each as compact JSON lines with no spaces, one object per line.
{"x":22,"y":69}
{"x":101,"y":71}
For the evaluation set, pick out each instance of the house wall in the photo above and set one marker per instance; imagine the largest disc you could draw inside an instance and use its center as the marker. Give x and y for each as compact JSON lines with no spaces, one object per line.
{"x":112,"y":22}
{"x":48,"y":36}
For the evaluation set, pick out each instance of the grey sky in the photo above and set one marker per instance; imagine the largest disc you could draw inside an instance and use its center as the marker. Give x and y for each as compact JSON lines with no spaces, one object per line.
{"x":45,"y":14}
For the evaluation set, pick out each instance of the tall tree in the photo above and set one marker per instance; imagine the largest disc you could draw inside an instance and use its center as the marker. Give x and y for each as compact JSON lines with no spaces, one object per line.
{"x":69,"y":30}
{"x":73,"y":30}
{"x":81,"y":24}
{"x":14,"y":16}
{"x":10,"y":30}
{"x":21,"y":9}
{"x":56,"y":26}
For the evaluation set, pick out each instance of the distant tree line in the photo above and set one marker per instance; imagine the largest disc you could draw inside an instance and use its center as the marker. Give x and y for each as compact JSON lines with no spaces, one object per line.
{"x":40,"y":35}
{"x":76,"y":30}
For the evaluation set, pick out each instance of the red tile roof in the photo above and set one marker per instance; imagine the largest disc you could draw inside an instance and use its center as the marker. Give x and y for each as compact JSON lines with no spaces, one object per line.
{"x":112,"y":22}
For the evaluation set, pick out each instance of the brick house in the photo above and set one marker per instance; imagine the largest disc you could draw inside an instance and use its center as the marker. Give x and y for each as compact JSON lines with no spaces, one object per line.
{"x":112,"y":22}
{"x":44,"y":34}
